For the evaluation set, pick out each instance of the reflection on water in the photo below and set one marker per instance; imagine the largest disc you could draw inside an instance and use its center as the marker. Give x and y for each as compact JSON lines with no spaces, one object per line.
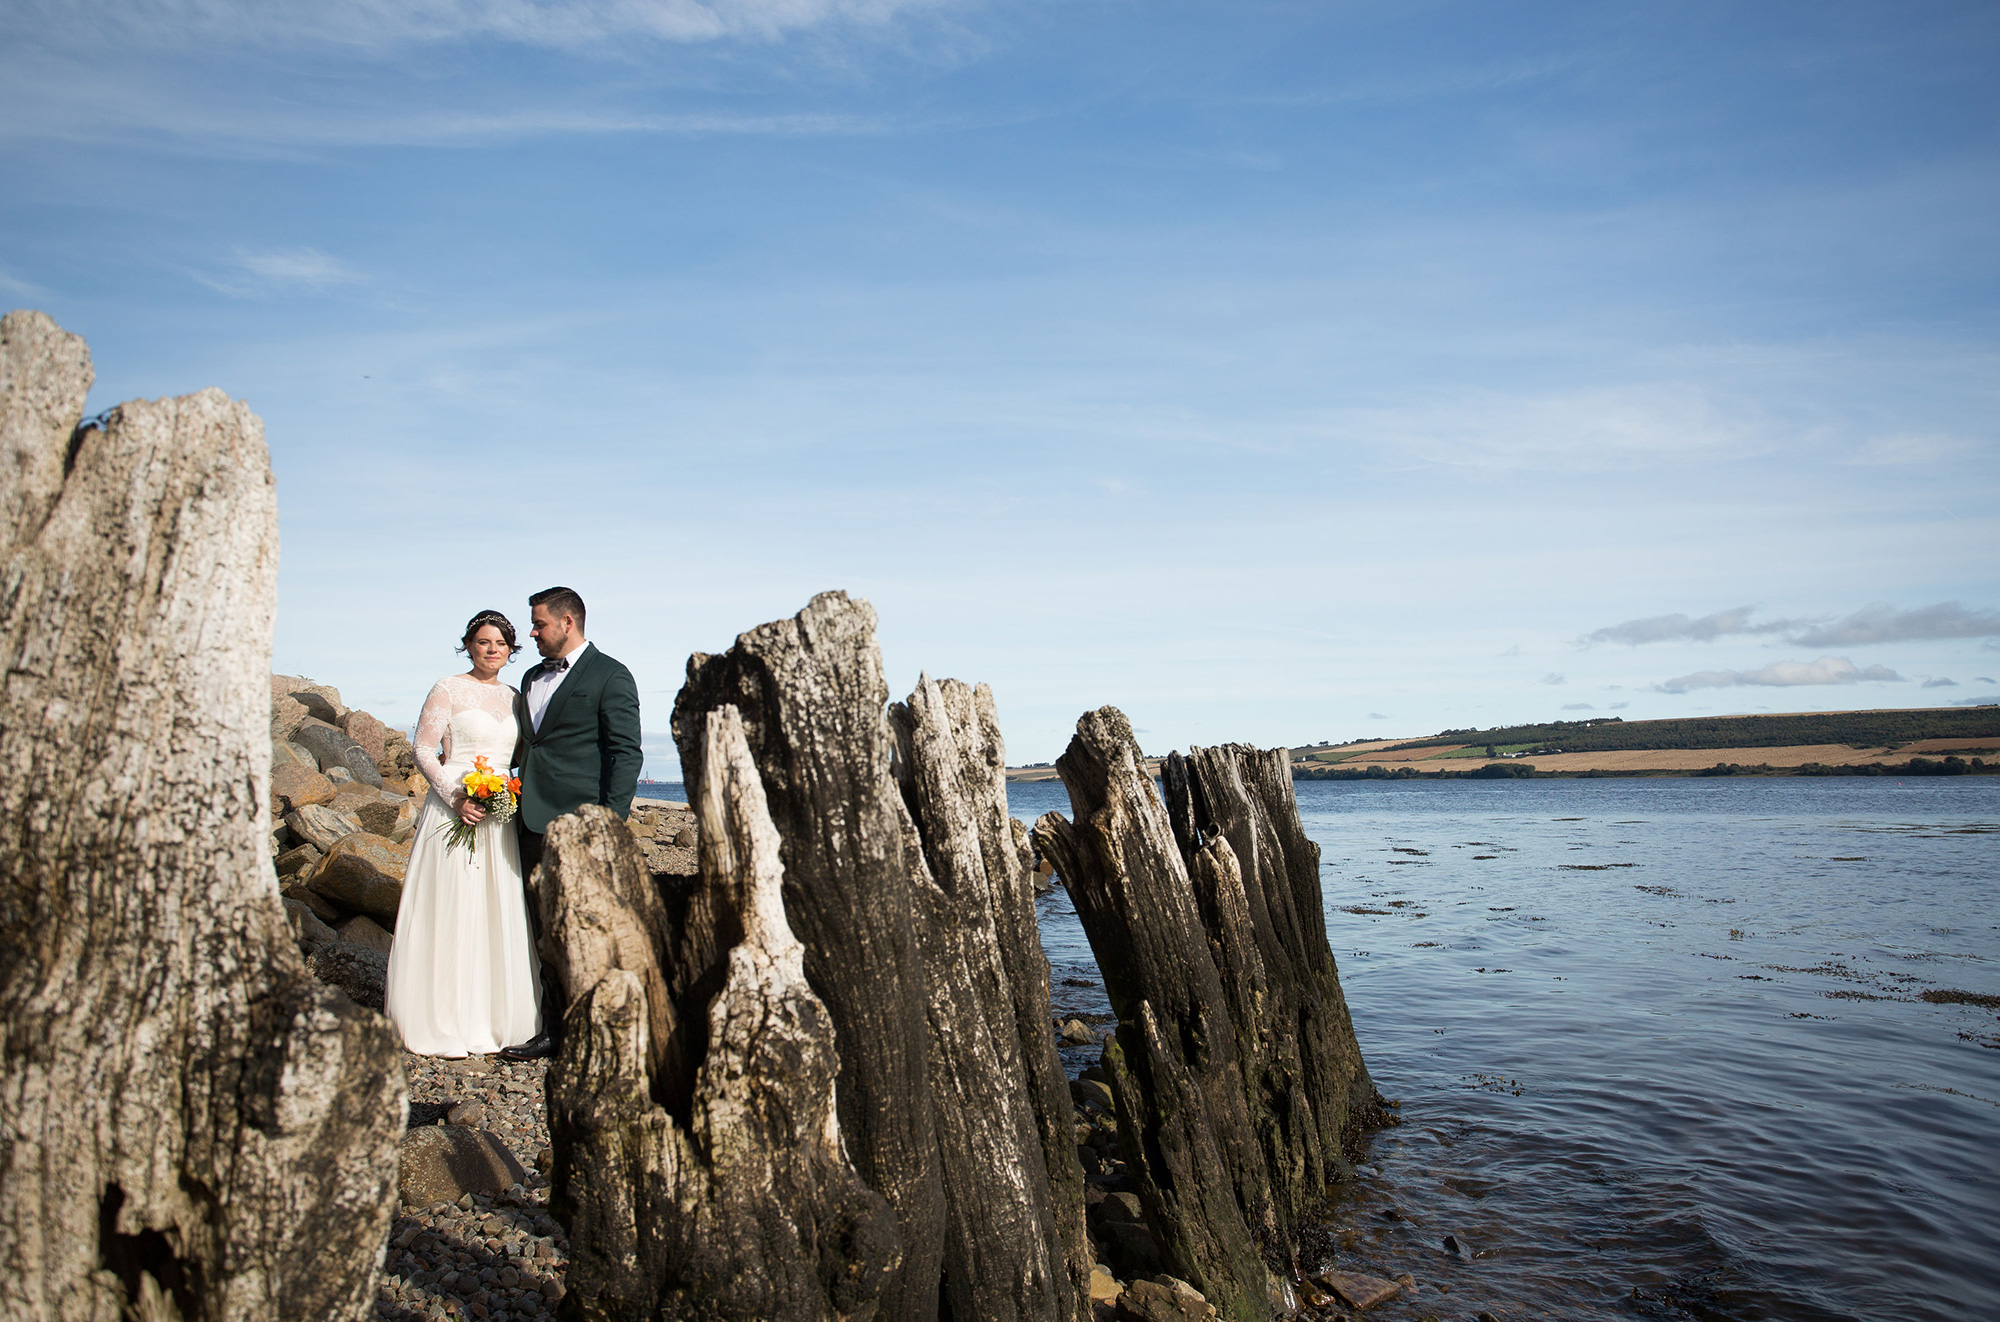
{"x":1661,"y":1044}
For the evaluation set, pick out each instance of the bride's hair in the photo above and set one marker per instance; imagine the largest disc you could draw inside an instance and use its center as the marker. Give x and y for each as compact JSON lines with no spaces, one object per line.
{"x":498,"y":621}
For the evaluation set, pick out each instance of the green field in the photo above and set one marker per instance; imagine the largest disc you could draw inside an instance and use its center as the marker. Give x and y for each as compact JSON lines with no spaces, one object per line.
{"x":1866,"y":729}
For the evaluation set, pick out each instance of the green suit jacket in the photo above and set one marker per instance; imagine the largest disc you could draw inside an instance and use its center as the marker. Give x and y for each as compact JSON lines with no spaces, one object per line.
{"x":588,"y":749}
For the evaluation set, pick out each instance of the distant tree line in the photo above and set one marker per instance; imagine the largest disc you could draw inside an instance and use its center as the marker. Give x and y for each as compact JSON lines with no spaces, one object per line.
{"x":1916,"y":766}
{"x":1868,"y":729}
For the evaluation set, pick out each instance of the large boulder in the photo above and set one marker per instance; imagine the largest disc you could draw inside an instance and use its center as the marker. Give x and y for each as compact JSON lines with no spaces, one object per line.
{"x":363,"y":729}
{"x":322,"y":700}
{"x":307,"y":927}
{"x":287,"y":715}
{"x":363,"y":873}
{"x":298,"y":859}
{"x":321,"y":826}
{"x":360,"y":972}
{"x":379,"y":811}
{"x":323,"y":908}
{"x":333,"y":747}
{"x":285,"y":753}
{"x":294,"y":786}
{"x":365,"y":931}
{"x":443,"y":1163}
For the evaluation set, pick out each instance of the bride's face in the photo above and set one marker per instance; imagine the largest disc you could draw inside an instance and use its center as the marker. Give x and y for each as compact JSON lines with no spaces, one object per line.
{"x":489,"y":651}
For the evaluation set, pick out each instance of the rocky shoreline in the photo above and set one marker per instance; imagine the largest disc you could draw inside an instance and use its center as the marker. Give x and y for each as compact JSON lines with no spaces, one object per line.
{"x":474,"y":1236}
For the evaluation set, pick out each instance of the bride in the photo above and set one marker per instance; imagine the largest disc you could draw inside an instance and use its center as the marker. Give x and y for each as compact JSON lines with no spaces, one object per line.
{"x":463,"y":978}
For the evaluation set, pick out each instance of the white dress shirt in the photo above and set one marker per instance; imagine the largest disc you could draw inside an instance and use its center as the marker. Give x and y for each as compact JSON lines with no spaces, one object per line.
{"x":545,"y":683}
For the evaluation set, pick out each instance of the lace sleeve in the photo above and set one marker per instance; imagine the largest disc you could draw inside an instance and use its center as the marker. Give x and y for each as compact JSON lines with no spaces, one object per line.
{"x":433,"y":732}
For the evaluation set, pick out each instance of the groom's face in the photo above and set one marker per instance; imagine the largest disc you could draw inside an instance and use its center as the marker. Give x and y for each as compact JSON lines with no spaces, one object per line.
{"x":551,"y":632}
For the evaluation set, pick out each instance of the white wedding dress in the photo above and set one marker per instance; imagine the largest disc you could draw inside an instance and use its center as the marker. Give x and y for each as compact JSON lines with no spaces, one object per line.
{"x":463,"y":977}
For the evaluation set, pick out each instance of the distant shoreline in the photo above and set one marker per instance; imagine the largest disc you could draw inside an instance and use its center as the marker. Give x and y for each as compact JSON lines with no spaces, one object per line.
{"x":1896,"y":741}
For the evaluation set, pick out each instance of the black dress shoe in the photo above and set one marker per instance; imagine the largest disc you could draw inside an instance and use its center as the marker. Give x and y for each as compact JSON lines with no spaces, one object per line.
{"x":536,"y":1047}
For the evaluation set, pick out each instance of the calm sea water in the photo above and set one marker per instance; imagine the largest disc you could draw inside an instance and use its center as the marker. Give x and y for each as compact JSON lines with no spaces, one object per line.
{"x":1660,"y":1045}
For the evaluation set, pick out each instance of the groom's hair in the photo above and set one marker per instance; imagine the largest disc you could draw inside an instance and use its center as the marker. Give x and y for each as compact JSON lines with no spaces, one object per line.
{"x":560,"y":601}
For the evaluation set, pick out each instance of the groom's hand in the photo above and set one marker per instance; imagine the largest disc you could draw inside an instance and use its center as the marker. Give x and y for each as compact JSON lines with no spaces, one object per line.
{"x":469,"y":811}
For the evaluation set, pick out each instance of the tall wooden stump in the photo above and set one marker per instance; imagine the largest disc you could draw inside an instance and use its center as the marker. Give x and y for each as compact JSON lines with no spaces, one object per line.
{"x":700,"y":1167}
{"x":916,"y":920}
{"x":1234,"y":1066}
{"x":190,"y":1126}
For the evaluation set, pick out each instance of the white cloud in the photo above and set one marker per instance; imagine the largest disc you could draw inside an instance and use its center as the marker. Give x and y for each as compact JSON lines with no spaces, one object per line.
{"x":1783,"y":674}
{"x":1940,"y":682}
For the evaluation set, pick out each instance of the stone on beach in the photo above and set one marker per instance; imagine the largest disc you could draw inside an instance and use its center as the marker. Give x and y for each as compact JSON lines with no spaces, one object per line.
{"x":1356,"y":1290}
{"x":363,"y":873}
{"x":365,"y":931}
{"x":444,"y":1163}
{"x":307,"y":927}
{"x":320,"y":825}
{"x":365,"y":730}
{"x":1164,"y":1299}
{"x":333,"y":747}
{"x":295,"y":786}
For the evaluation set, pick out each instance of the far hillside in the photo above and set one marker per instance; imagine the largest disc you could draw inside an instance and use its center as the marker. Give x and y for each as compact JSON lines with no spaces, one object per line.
{"x":1886,"y":729}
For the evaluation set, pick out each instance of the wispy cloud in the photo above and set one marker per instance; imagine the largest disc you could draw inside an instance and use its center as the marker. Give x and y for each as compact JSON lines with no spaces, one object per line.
{"x":279,"y":270}
{"x":1869,"y":625}
{"x":1988,"y":701}
{"x":1940,"y":682}
{"x":1783,"y":674}
{"x":1553,"y":678}
{"x":1681,"y":628}
{"x":361,"y":24}
{"x":1886,"y":624}
{"x":1578,"y":706}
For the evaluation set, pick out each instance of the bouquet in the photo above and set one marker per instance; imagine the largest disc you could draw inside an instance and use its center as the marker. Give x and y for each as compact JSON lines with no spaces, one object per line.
{"x":496,"y":793}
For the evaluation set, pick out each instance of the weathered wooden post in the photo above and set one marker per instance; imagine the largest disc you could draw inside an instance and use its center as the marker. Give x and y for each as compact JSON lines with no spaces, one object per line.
{"x":914,"y":911}
{"x":190,"y":1126}
{"x":861,"y":908}
{"x":700,"y":1167}
{"x":1234,"y":1067}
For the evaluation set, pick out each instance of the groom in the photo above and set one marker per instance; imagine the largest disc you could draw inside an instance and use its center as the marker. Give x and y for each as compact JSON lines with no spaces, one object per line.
{"x":580,"y":745}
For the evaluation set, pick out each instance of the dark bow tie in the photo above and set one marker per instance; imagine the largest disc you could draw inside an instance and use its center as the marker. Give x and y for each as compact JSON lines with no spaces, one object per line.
{"x":556,"y":665}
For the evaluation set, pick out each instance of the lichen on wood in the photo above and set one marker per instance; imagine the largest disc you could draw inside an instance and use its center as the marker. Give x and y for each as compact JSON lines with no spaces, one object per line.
{"x":189,"y":1124}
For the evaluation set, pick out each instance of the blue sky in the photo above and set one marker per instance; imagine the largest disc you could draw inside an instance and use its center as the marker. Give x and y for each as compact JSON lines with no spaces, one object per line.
{"x":1276,"y":372}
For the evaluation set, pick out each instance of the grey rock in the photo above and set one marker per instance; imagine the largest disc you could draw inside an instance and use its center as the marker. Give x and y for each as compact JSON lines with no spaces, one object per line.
{"x":297,"y":860}
{"x":1077,"y":1033}
{"x":360,"y":972}
{"x":466,"y":1113}
{"x":321,"y":826}
{"x":445,"y":1163}
{"x":324,"y":909}
{"x":365,"y":931}
{"x":307,"y":929}
{"x":285,"y":753}
{"x":332,"y":748}
{"x":340,"y":775}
